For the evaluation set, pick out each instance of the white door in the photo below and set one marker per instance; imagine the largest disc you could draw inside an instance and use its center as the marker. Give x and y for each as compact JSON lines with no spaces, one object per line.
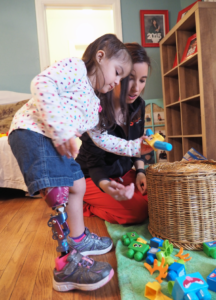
{"x":70,"y":31}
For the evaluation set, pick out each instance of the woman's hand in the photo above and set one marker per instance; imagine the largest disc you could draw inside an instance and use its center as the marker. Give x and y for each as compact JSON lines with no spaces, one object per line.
{"x":145,"y":148}
{"x":69,"y":148}
{"x":116,"y":190}
{"x":141,"y":183}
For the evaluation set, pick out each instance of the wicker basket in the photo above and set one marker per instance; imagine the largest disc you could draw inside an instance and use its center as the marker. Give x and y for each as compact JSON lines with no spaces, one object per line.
{"x":182,"y":202}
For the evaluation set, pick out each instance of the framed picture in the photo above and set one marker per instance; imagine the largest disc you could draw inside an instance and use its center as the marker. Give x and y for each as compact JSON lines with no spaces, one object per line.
{"x":175,"y":61}
{"x":154,"y":26}
{"x":148,"y":115}
{"x":183,"y":12}
{"x":191,"y":47}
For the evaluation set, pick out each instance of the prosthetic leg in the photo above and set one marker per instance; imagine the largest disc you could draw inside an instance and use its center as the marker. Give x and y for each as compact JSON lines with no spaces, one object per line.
{"x":57,"y":198}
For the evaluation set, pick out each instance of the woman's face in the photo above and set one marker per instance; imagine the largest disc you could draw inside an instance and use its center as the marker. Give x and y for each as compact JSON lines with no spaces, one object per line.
{"x":154,"y":23}
{"x":137,"y":81}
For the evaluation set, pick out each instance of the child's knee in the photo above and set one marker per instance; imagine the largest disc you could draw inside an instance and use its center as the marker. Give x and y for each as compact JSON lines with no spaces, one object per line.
{"x":79,"y":187}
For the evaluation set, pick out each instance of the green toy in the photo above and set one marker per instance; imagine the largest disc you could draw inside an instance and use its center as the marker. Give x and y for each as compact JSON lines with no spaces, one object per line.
{"x":166,"y":251}
{"x":210,"y":249}
{"x":137,"y":250}
{"x":129,"y":237}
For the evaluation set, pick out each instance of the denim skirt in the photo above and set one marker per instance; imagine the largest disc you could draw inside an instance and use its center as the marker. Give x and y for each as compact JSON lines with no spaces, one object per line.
{"x":40,"y":163}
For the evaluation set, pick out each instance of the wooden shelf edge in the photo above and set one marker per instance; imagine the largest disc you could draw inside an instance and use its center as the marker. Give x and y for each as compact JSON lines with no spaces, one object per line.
{"x":188,"y":60}
{"x":192,"y":135}
{"x":173,"y":70}
{"x":173,"y":104}
{"x":190,"y":98}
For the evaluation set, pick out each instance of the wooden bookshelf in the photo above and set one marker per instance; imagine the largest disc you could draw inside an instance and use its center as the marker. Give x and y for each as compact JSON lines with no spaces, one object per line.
{"x":189,"y":89}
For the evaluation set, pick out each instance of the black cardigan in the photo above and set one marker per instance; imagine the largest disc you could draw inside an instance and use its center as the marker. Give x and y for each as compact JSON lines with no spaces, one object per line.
{"x":99,"y":164}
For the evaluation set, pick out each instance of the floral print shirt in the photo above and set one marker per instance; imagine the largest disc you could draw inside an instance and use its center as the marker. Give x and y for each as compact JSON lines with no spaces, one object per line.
{"x":63,"y":104}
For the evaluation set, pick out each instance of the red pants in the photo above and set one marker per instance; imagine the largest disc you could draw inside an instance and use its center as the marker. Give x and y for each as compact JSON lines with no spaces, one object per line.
{"x":104,"y":206}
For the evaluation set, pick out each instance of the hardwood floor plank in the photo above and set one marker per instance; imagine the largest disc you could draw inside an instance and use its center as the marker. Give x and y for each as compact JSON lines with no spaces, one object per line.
{"x":13,"y":232}
{"x":11,"y":273}
{"x":28,"y":252}
{"x":8,"y":210}
{"x":43,"y":285}
{"x":26,"y":281}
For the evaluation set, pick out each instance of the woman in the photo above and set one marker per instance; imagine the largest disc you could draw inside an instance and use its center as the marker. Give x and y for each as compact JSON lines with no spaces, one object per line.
{"x":114,"y":191}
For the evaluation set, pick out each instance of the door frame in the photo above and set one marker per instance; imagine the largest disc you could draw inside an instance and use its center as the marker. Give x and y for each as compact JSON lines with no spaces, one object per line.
{"x":40,"y":7}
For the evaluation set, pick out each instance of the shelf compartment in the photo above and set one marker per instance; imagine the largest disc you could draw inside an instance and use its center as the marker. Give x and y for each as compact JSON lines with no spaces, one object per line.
{"x":168,"y":56}
{"x":171,"y":89}
{"x":189,"y":81}
{"x":191,"y":117}
{"x":192,"y":142}
{"x":191,"y":61}
{"x":182,"y":37}
{"x":172,"y":73}
{"x":173,"y":117}
{"x":176,"y":154}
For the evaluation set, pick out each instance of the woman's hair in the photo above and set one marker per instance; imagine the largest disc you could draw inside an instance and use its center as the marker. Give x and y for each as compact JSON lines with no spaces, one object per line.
{"x":154,"y":19}
{"x":138,"y":55}
{"x":113,"y":48}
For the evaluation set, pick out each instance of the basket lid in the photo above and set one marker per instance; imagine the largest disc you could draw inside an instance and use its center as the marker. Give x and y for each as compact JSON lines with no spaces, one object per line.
{"x":180,"y":167}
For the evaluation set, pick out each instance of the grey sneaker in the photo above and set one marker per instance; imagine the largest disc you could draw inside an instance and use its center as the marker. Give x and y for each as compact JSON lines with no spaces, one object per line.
{"x":80,"y":272}
{"x":91,"y":244}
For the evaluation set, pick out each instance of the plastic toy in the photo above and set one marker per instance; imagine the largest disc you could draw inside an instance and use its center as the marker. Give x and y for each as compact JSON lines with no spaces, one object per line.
{"x":3,"y":134}
{"x":129,"y":237}
{"x":175,"y":270}
{"x":211,"y":280}
{"x":191,"y":286}
{"x":161,"y":268}
{"x":140,"y":240}
{"x":151,"y":255}
{"x":166,"y":251}
{"x":156,"y":141}
{"x":210,"y":249}
{"x":137,"y":250}
{"x":156,"y":242}
{"x":153,"y":291}
{"x":184,"y":257}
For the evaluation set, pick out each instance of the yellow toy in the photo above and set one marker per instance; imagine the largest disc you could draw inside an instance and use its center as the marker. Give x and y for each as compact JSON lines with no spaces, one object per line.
{"x":156,"y":141}
{"x":153,"y":291}
{"x":3,"y":134}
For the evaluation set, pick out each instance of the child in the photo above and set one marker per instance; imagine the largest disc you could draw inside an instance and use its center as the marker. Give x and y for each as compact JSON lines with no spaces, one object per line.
{"x":42,"y":138}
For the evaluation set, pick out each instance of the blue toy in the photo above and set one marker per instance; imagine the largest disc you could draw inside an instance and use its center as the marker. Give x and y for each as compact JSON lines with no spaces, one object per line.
{"x":156,"y":141}
{"x":211,"y":280}
{"x":156,"y":242}
{"x":175,"y":270}
{"x":189,"y":287}
{"x":151,"y":255}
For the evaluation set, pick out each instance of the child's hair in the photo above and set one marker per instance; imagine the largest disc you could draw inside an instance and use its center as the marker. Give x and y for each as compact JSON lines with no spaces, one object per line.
{"x":113,"y":48}
{"x":138,"y":55}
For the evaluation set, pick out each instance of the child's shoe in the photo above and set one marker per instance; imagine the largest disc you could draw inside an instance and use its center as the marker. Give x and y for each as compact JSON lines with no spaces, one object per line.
{"x":91,"y":244}
{"x":75,"y":271}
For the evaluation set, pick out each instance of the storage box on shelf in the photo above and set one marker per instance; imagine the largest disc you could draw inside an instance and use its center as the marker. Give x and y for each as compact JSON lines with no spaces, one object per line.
{"x":189,"y":88}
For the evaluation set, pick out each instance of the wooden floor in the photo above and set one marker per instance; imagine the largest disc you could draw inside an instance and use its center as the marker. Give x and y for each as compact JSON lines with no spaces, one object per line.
{"x":27,"y":252}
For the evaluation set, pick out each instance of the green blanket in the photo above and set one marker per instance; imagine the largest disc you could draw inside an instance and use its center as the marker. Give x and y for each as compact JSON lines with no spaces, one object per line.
{"x":133,"y":276}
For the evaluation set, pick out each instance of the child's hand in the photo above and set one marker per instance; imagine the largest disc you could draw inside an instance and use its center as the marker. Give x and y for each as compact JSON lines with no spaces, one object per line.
{"x":116,"y":190}
{"x":145,"y":148}
{"x":69,"y":148}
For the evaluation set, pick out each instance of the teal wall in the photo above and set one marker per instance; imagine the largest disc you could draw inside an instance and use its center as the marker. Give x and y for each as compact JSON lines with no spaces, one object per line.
{"x":19,"y":53}
{"x":131,"y":33}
